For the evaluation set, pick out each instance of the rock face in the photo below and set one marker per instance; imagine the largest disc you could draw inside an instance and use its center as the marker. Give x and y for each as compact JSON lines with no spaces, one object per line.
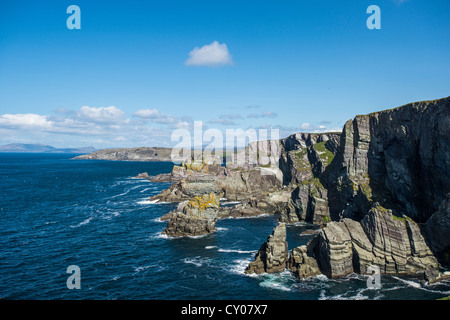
{"x":395,"y":245}
{"x":194,"y":218}
{"x":302,"y":264}
{"x":233,"y":184}
{"x":398,"y":157}
{"x":437,"y":231}
{"x":273,"y":254}
{"x":380,"y":190}
{"x":305,"y":156}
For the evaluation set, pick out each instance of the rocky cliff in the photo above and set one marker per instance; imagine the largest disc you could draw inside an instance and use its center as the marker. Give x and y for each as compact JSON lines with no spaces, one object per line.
{"x":380,"y":191}
{"x":381,"y":194}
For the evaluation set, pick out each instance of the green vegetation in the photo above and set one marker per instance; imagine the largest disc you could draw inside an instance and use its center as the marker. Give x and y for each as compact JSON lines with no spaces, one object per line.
{"x":325,"y":155}
{"x":313,"y":182}
{"x":203,"y":202}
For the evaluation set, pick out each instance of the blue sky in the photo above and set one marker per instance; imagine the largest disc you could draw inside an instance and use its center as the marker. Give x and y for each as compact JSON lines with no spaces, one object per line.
{"x":136,"y":71}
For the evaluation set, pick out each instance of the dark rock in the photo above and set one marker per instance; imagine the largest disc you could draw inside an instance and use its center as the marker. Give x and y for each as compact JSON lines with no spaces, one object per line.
{"x":273,"y":254}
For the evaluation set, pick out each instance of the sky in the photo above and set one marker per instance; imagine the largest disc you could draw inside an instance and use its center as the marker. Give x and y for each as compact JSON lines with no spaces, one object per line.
{"x":136,"y":71}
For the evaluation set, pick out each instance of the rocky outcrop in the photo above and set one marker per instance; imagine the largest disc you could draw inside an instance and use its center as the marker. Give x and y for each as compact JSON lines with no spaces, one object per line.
{"x":309,"y":202}
{"x":380,"y":190}
{"x":437,"y":231}
{"x":302,"y":264}
{"x":398,"y":157}
{"x":273,"y":254}
{"x":194,"y":218}
{"x":233,"y":184}
{"x":190,"y":171}
{"x":393,"y":244}
{"x":305,"y":156}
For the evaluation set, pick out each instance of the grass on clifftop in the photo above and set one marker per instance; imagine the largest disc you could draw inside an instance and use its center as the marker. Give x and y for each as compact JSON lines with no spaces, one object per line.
{"x":325,"y":155}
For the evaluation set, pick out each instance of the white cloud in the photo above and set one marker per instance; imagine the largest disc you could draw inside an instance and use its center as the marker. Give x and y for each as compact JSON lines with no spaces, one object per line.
{"x":110,"y":114}
{"x":155,"y":116}
{"x":265,"y":114}
{"x":25,"y":121}
{"x":210,"y":55}
{"x":305,"y":126}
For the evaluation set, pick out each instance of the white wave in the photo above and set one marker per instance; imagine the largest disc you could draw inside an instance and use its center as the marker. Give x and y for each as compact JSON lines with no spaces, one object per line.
{"x":119,"y":195}
{"x":157,"y":201}
{"x":237,"y":251}
{"x":239,"y":266}
{"x":321,"y":277}
{"x":146,"y":189}
{"x":139,"y":269}
{"x":210,"y":247}
{"x":348,"y":295}
{"x":221,"y":229}
{"x":197,"y":261}
{"x":409,"y":282}
{"x":159,"y":235}
{"x":148,"y":201}
{"x":280,"y":281}
{"x":86,"y":221}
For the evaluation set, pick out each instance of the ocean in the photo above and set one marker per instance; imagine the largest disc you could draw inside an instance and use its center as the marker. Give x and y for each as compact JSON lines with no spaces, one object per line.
{"x":56,"y":212}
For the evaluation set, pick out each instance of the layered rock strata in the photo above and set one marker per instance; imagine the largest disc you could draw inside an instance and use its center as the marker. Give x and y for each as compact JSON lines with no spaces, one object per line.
{"x":273,"y":254}
{"x":194,"y":218}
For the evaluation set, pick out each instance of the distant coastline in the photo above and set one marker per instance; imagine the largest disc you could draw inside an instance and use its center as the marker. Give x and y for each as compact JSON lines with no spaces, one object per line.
{"x":41,"y":148}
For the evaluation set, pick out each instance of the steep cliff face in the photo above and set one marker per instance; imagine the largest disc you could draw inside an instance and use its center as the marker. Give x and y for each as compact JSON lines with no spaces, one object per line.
{"x":305,"y":156}
{"x":398,"y":157}
{"x":273,"y":254}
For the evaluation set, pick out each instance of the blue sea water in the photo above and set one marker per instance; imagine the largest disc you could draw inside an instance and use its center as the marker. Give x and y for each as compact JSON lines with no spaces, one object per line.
{"x":56,"y":212}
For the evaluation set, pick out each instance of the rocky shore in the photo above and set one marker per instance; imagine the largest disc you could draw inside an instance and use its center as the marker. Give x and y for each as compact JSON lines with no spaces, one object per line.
{"x":129,"y":154}
{"x":379,"y":191}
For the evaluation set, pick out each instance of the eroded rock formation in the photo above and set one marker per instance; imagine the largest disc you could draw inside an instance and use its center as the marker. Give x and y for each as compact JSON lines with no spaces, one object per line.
{"x":273,"y":254}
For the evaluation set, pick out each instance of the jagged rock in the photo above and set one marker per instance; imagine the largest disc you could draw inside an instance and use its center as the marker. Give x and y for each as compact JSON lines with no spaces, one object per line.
{"x":437,"y":231}
{"x":309,"y":202}
{"x":306,"y":155}
{"x":273,"y":254}
{"x":194,"y":218}
{"x":335,"y":250}
{"x":302,"y":264}
{"x":395,"y":245}
{"x":235,"y":184}
{"x":143,"y":175}
{"x":400,"y":154}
